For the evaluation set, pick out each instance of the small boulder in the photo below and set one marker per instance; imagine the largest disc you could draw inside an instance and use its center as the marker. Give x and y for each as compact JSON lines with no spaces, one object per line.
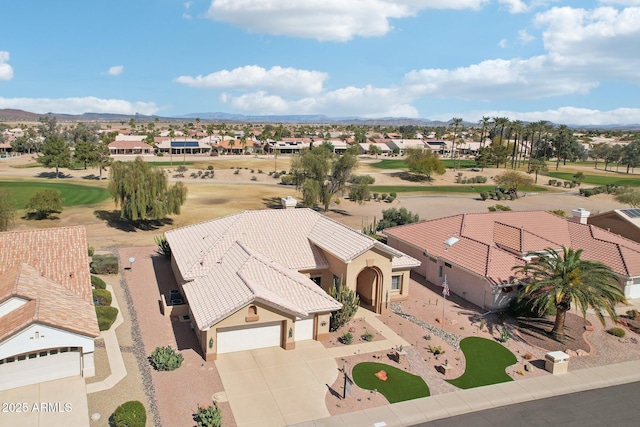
{"x":571,"y":353}
{"x":582,"y":353}
{"x":589,"y":328}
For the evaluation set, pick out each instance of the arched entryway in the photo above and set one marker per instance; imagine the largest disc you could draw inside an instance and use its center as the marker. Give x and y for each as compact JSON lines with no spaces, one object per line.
{"x":369,"y":288}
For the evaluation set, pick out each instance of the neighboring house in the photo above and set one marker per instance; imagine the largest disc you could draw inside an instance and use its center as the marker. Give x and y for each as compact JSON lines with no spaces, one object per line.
{"x":364,"y":147}
{"x":260,"y":278}
{"x":625,"y":222}
{"x":184,"y":146}
{"x":402,"y":145}
{"x":477,"y":252}
{"x":47,"y":318}
{"x":135,"y":148}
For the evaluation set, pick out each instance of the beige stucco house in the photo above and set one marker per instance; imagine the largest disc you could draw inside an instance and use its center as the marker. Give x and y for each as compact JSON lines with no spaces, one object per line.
{"x":625,"y":222}
{"x":260,"y":278}
{"x":476,"y":252}
{"x":47,"y":318}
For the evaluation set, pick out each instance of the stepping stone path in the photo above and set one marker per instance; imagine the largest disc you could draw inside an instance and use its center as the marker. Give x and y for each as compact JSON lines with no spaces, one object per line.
{"x":437,"y":384}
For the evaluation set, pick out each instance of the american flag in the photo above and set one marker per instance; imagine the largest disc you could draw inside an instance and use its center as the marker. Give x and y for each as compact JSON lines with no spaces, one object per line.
{"x":445,"y":287}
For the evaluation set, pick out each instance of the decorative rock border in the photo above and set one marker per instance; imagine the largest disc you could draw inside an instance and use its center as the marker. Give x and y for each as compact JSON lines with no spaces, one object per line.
{"x":449,"y":338}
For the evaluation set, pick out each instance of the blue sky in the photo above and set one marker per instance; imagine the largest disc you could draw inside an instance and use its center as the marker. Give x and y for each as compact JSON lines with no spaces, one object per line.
{"x":571,"y":62}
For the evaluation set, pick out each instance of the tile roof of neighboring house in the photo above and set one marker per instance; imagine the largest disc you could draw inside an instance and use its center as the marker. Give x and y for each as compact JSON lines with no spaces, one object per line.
{"x":241,"y":250}
{"x":492,"y":243}
{"x":131,"y":145}
{"x":50,"y":269}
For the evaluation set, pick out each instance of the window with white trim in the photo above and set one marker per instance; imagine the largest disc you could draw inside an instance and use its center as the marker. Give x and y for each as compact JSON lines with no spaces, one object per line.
{"x":396,"y":282}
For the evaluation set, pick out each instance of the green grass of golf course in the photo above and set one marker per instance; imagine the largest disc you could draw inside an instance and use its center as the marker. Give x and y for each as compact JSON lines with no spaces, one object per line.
{"x":72,"y":194}
{"x":486,"y":361}
{"x":400,"y":385}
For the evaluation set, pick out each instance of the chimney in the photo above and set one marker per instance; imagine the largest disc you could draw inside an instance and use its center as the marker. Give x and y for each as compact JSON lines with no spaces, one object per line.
{"x":580,"y":215}
{"x":288,"y":202}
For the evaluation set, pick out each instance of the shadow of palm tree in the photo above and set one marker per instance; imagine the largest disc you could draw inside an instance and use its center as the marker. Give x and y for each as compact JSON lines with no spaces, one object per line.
{"x":114,"y":220}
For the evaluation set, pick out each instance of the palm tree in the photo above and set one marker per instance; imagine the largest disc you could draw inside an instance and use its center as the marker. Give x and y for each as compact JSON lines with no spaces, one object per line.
{"x":557,"y":280}
{"x":485,"y":123}
{"x":456,"y":121}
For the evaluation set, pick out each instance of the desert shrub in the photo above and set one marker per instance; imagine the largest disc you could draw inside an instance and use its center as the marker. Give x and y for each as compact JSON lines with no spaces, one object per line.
{"x":394,"y":217}
{"x":392,"y":197}
{"x":346,"y":338}
{"x":236,"y":172}
{"x":499,"y":195}
{"x":90,"y":251}
{"x":504,"y":336}
{"x":163,"y":246}
{"x":350,"y":302}
{"x":101,"y":297}
{"x":617,"y":332}
{"x":552,"y":182}
{"x":130,"y":414}
{"x":181,"y":169}
{"x":559,"y":184}
{"x":286,"y":180}
{"x":367,"y":336}
{"x":210,"y":167}
{"x":587,"y":192}
{"x":492,"y":208}
{"x":384,"y":196}
{"x":436,"y":350}
{"x":104,"y":264}
{"x":208,"y":416}
{"x":165,"y":359}
{"x":633,"y":314}
{"x":484,"y":195}
{"x":260,"y":171}
{"x":98,"y":283}
{"x":160,"y":154}
{"x":253,"y":178}
{"x":276,"y":175}
{"x":106,"y":316}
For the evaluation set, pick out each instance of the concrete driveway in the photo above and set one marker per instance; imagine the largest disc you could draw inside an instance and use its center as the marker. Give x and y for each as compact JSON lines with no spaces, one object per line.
{"x":275,"y":387}
{"x":59,"y":403}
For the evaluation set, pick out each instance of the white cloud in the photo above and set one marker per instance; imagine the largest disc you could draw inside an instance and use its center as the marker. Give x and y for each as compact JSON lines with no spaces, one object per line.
{"x":535,"y":77}
{"x":88,"y":104}
{"x":621,"y":2}
{"x":116,"y":70}
{"x":584,"y":47}
{"x":563,"y":115}
{"x":334,"y":20}
{"x":283,"y":80}
{"x":515,"y":6}
{"x":525,"y":37}
{"x":187,"y":6}
{"x":367,"y":101}
{"x":6,"y":70}
{"x":502,"y":43}
{"x":601,"y":43}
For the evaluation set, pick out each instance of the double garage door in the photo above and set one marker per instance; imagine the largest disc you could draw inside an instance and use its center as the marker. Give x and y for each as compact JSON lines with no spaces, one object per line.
{"x":42,"y":366}
{"x":242,"y":338}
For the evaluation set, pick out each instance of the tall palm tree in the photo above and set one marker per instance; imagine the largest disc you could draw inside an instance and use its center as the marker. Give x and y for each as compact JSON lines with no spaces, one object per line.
{"x":456,"y":121}
{"x":557,"y":280}
{"x":485,"y":124}
{"x":516,"y":128}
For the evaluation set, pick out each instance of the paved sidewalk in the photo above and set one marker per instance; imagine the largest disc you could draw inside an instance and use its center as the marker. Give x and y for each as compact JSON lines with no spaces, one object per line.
{"x":116,"y":363}
{"x":464,"y":401}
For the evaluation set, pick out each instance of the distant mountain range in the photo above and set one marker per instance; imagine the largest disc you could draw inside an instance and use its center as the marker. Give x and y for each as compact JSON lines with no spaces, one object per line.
{"x":13,"y":115}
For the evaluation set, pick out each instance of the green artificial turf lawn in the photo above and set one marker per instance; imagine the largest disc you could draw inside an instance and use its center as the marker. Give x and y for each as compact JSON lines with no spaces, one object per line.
{"x":72,"y":194}
{"x":400,"y":385}
{"x":486,"y":361}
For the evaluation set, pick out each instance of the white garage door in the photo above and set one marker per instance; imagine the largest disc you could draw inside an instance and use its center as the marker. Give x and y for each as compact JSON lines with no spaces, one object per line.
{"x":304,"y":329}
{"x":39,"y":367}
{"x":249,"y":337}
{"x":633,"y":291}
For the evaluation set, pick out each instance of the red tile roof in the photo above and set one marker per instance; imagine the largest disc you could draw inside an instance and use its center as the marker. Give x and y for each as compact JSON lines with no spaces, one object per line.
{"x":492,"y":243}
{"x":49,"y":268}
